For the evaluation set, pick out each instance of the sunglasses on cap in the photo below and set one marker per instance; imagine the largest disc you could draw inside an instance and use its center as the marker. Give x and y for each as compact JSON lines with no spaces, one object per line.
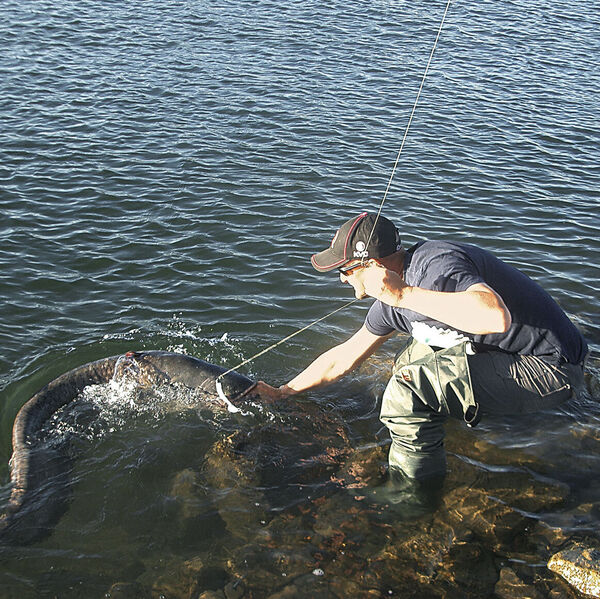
{"x":348,"y":270}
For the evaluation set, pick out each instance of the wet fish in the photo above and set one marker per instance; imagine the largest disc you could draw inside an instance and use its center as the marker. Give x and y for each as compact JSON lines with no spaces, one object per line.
{"x":40,"y":476}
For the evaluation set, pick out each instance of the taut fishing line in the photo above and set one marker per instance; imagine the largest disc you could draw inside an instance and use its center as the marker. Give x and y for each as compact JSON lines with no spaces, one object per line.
{"x":308,"y":326}
{"x":268,"y":349}
{"x":410,"y":119}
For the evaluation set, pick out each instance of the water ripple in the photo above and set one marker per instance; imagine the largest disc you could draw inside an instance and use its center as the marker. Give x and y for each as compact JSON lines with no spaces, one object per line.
{"x":186,"y":159}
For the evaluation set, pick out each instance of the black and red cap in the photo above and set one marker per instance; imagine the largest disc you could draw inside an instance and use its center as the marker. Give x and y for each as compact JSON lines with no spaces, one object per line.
{"x":363,"y":237}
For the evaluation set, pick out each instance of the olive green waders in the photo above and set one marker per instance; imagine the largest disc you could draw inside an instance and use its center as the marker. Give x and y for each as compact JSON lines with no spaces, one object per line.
{"x":428,"y":385}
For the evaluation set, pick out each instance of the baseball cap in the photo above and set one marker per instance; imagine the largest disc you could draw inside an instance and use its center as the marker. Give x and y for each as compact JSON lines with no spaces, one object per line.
{"x":363,"y":237}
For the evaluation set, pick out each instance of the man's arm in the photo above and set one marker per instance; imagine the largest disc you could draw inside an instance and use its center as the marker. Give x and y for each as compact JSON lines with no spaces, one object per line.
{"x":329,"y":366}
{"x":478,"y":310}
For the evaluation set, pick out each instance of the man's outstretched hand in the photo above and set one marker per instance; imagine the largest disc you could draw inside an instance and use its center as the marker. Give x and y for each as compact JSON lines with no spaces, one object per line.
{"x":269,"y":393}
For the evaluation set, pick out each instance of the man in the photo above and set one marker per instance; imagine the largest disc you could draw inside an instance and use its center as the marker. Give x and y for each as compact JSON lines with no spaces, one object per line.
{"x":485,"y":339}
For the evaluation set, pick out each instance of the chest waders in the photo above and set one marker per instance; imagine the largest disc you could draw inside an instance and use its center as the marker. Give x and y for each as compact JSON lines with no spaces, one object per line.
{"x":426,"y":387}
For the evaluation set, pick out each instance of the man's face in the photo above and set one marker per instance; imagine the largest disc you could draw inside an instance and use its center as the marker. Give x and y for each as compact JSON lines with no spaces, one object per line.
{"x":351,"y":273}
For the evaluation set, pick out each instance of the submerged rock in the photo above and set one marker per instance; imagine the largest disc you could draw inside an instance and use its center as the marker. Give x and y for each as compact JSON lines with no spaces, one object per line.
{"x":497,"y":503}
{"x":579,"y":565}
{"x":126,"y":590}
{"x":432,"y":562}
{"x":184,"y":489}
{"x":188,"y":580}
{"x":510,"y":586}
{"x":240,"y":502}
{"x":322,"y":586}
{"x":490,"y":519}
{"x":362,"y":468}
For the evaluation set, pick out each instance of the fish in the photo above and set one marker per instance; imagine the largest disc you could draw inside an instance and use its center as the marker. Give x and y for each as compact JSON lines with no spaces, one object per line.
{"x":40,"y":475}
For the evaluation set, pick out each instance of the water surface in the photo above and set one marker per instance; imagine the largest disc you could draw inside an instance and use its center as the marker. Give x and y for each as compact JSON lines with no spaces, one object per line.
{"x":166,"y":171}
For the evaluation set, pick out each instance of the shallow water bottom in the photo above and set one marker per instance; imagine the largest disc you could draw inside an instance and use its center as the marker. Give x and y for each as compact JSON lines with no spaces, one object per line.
{"x":295,"y":501}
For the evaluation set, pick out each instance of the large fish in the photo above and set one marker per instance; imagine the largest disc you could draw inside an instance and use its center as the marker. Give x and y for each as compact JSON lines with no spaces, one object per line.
{"x":40,"y":474}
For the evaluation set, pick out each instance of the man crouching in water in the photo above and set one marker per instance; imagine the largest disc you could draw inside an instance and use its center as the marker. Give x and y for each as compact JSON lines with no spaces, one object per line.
{"x":485,"y":338}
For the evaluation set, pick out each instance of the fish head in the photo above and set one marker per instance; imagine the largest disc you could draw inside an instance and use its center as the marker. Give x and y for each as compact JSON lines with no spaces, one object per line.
{"x":138,"y":369}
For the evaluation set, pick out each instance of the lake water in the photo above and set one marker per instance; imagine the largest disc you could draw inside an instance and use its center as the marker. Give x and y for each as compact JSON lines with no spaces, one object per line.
{"x":166,"y":170}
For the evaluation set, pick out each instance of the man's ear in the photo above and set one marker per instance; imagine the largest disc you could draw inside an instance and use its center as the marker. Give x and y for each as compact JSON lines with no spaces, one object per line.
{"x":374,"y":262}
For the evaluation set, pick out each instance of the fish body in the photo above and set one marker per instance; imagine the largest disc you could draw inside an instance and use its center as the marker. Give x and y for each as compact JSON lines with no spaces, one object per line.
{"x":40,"y":476}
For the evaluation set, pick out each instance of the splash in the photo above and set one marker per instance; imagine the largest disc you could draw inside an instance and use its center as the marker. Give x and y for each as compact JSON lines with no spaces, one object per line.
{"x":103,"y":409}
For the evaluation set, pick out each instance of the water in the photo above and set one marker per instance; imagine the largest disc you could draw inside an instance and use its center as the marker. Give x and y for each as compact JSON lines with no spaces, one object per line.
{"x":166,"y":171}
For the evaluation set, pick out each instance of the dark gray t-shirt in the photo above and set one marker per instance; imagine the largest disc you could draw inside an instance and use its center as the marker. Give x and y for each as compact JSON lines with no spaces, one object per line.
{"x":539,"y":326}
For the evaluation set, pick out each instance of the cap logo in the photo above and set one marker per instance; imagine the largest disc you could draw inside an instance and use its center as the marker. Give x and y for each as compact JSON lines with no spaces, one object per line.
{"x":359,"y":250}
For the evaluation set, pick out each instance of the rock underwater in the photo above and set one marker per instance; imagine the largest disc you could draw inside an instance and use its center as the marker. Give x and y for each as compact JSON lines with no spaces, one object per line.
{"x":579,"y":565}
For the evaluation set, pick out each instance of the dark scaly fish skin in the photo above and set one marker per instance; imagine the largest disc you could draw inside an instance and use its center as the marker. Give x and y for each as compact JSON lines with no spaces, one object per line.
{"x":40,"y":477}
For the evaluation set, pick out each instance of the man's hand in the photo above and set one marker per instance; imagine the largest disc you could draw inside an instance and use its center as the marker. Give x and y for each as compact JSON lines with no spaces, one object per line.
{"x":272,"y":393}
{"x":380,"y":283}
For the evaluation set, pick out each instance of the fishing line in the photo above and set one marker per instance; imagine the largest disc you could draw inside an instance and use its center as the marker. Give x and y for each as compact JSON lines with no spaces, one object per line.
{"x":264,"y":351}
{"x":308,"y":326}
{"x":410,"y":119}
